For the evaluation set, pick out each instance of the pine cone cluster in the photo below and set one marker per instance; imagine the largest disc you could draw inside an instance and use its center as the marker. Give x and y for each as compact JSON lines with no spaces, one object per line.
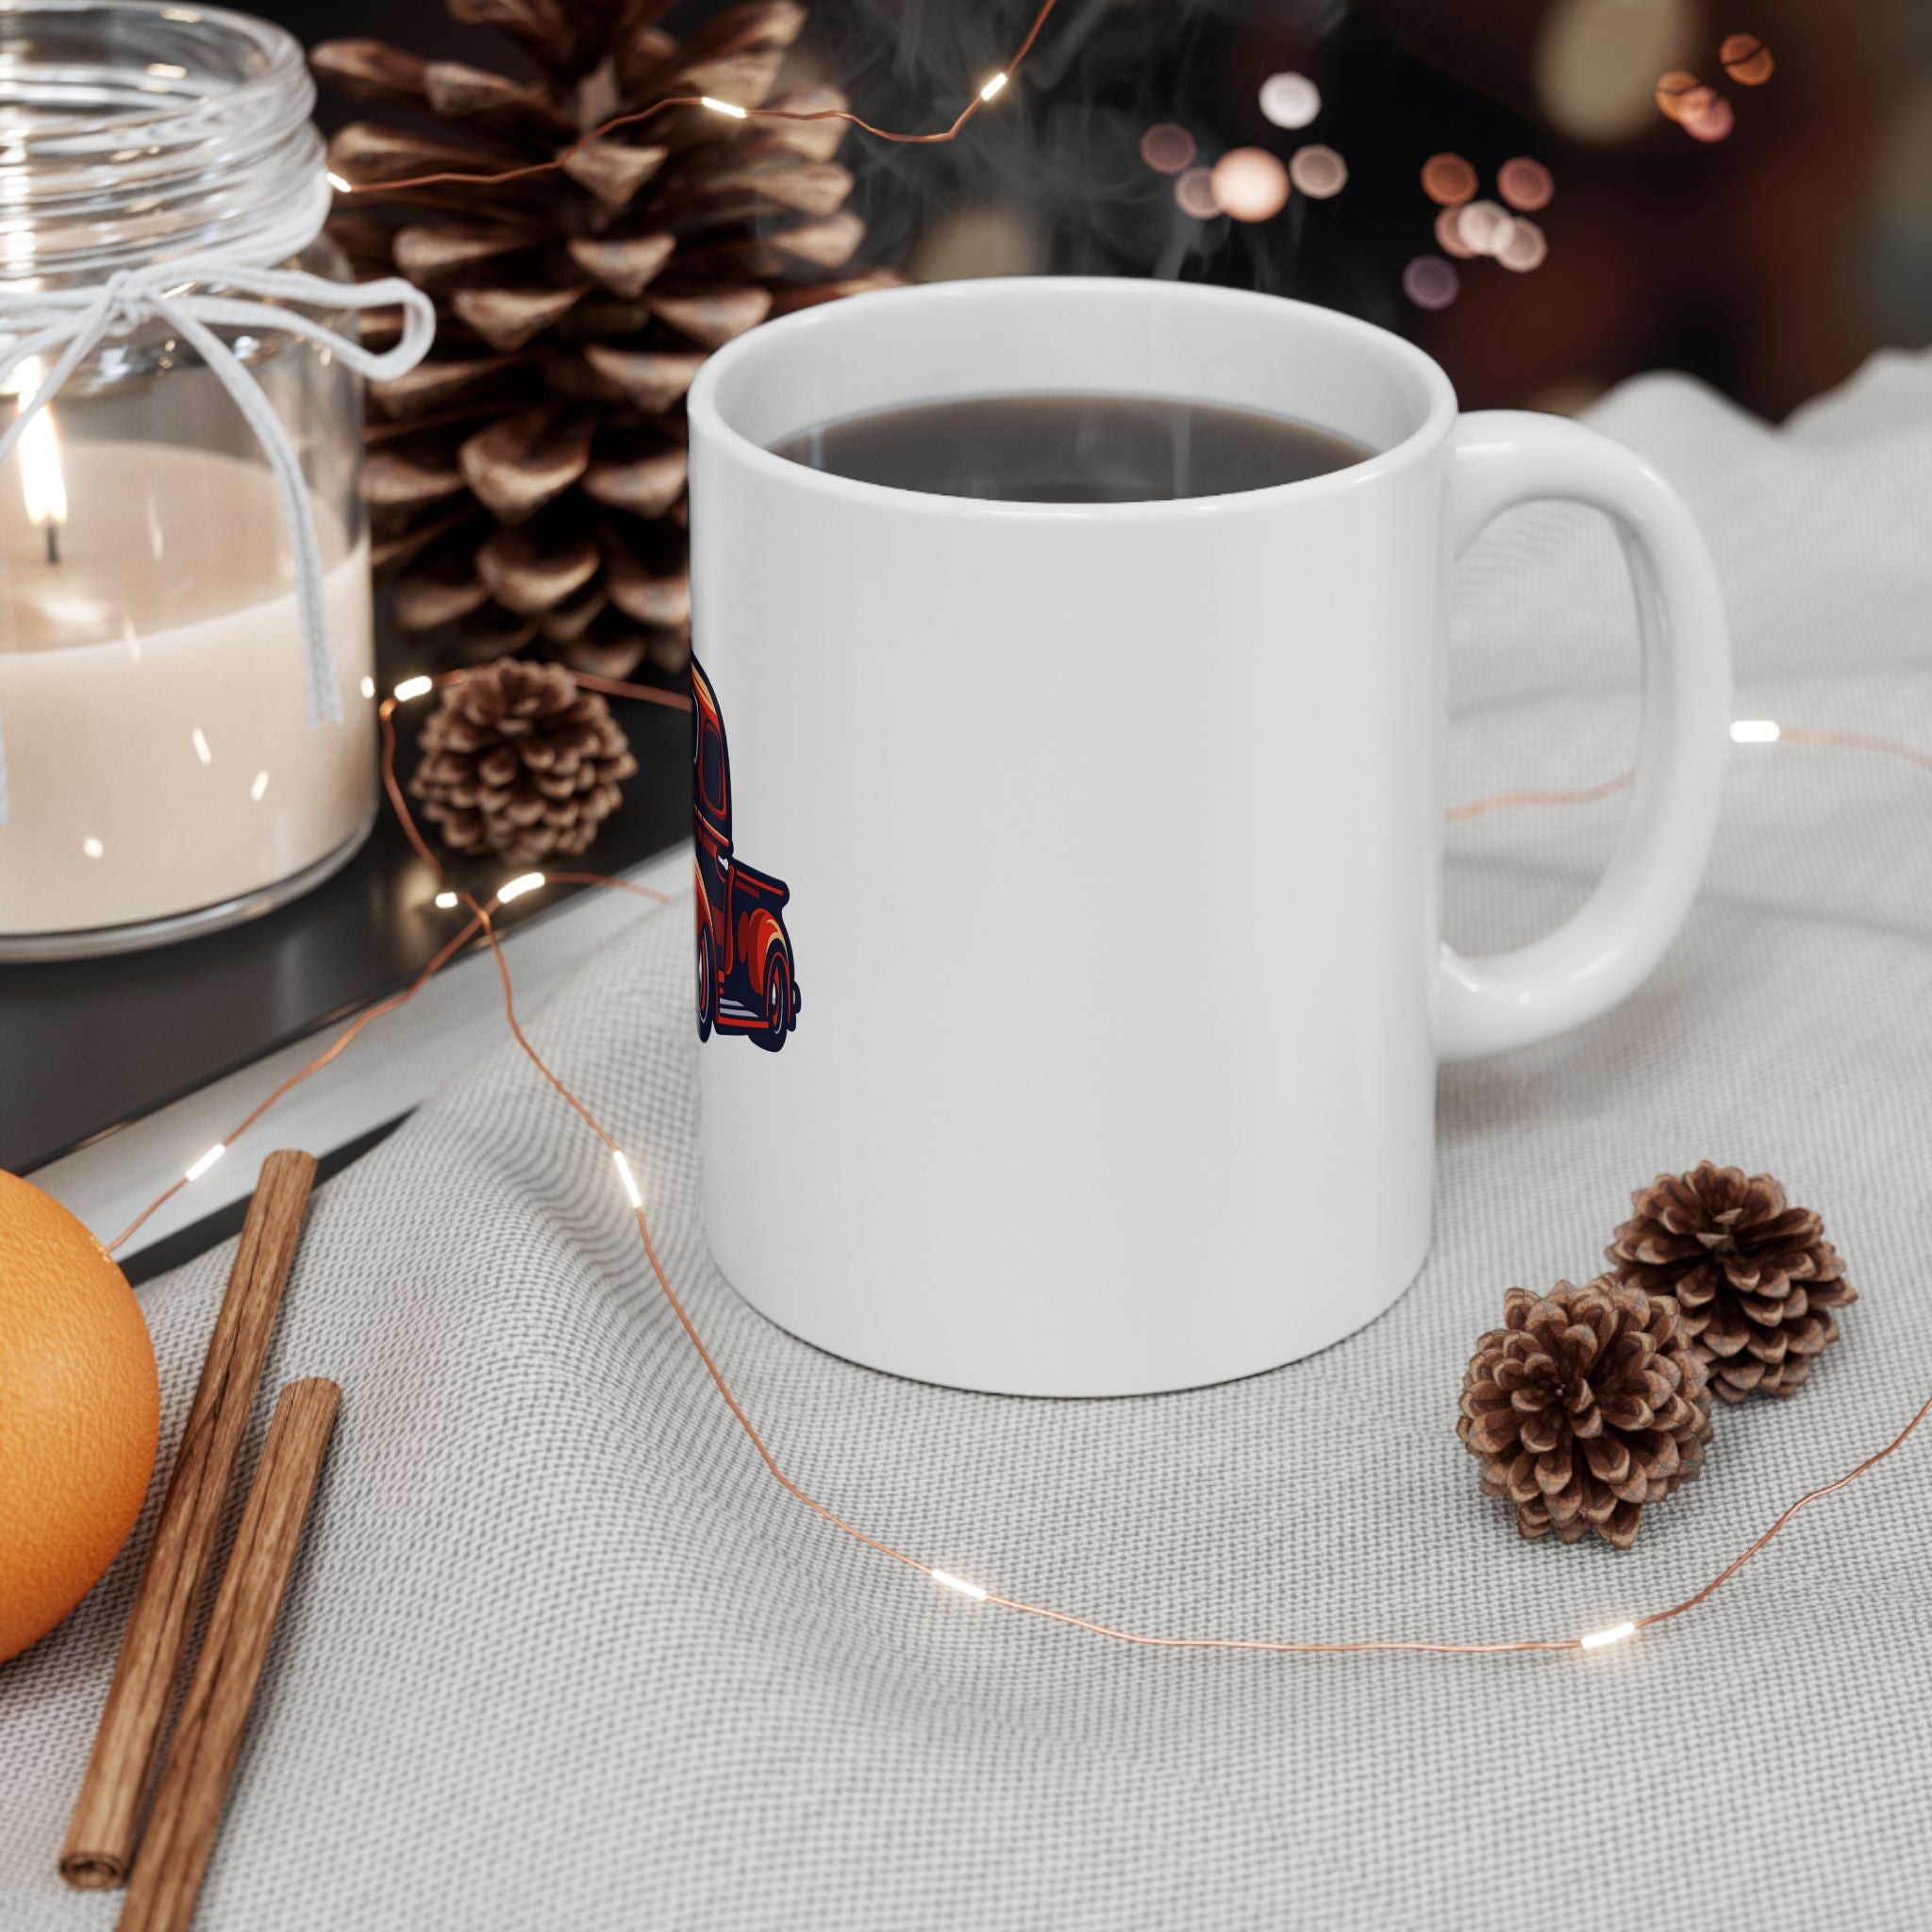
{"x":527,"y":482}
{"x":1754,"y":1277}
{"x":518,"y":761}
{"x":1587,"y":1405}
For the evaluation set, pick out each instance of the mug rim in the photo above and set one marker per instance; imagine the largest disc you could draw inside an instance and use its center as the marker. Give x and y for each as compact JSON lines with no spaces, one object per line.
{"x":709,"y":420}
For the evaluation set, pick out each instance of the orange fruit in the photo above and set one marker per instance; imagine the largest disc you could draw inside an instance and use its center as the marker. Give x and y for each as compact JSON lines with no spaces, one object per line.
{"x":81,"y":1408}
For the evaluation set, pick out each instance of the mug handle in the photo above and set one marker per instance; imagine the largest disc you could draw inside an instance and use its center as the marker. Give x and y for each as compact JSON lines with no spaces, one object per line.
{"x":1501,"y":457}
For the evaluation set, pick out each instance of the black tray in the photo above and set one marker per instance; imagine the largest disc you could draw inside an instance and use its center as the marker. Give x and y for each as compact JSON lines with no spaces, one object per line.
{"x":88,"y":1046}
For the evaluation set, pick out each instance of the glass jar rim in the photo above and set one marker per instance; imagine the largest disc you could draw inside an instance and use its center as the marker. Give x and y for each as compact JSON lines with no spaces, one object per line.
{"x":134,"y":130}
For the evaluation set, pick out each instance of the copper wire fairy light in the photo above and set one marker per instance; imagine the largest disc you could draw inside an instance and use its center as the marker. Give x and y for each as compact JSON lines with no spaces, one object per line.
{"x":482,"y":921}
{"x":1743,"y":732}
{"x":1449,"y":181}
{"x":1512,"y":801}
{"x":987,"y":92}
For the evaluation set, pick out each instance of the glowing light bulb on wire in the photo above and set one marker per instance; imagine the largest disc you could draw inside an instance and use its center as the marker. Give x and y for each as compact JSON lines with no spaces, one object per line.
{"x":1598,"y":1639}
{"x":200,"y":1167}
{"x":629,"y":1179}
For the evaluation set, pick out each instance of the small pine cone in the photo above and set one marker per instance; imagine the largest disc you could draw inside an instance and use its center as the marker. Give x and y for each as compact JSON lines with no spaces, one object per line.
{"x":520,"y":762}
{"x":1586,"y":1405}
{"x":1755,"y":1279}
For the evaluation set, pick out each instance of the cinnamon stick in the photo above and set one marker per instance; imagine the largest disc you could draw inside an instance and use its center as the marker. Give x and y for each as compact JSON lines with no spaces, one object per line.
{"x":207,"y":1735}
{"x":107,"y":1815}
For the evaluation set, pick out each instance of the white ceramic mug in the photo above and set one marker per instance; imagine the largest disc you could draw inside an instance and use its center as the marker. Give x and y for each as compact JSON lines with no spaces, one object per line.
{"x":1082,"y":861}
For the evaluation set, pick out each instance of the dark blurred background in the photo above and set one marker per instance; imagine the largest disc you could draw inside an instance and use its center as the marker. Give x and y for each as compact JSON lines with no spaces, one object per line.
{"x":1765,"y":228}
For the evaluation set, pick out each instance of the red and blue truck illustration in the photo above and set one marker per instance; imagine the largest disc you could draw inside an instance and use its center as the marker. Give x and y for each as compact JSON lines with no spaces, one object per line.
{"x":747,"y":979}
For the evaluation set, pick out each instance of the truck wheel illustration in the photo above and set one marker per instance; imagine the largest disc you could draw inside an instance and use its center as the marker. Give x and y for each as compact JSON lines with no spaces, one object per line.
{"x":778,"y":1004}
{"x":707,"y":982}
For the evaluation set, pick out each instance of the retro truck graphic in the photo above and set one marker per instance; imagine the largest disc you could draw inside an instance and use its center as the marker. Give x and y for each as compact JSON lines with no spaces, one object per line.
{"x":747,"y":982}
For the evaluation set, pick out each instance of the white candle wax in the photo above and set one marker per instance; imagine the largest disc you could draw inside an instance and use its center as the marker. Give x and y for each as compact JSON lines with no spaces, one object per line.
{"x":160,"y":758}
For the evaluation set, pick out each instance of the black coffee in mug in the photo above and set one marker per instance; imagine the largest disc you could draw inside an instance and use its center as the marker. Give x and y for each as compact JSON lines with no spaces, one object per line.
{"x":1072,"y":448}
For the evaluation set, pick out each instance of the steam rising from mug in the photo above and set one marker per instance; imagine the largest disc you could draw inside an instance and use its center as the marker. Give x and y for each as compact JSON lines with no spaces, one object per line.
{"x":1062,"y":185}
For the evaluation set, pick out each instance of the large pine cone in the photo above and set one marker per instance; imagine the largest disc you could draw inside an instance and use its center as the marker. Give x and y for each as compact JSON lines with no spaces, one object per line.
{"x":1755,"y":1278}
{"x":520,"y":762}
{"x":526,"y":483}
{"x":1588,"y":1404}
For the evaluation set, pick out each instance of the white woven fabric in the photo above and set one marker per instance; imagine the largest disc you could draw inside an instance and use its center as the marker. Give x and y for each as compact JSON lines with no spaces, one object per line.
{"x":559,"y":1653}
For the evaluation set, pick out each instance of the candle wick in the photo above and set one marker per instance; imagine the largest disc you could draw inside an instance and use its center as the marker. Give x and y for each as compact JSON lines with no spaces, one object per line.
{"x":53,"y":540}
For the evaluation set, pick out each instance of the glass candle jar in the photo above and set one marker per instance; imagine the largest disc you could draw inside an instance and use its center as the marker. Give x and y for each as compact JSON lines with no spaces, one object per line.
{"x":171,"y":767}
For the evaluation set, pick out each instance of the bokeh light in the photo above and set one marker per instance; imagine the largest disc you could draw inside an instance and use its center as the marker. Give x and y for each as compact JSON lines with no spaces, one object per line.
{"x":1693,"y":104}
{"x":1569,"y":395}
{"x":1291,"y":100}
{"x":1449,"y":234}
{"x":1526,"y":246}
{"x":1712,"y":119}
{"x":1000,"y":241}
{"x":1746,"y":59}
{"x":1524,"y":184}
{"x":1249,"y":184}
{"x":1597,"y":61}
{"x":1317,"y":172}
{"x":1485,"y":227}
{"x":1166,"y":149}
{"x":1195,"y":191}
{"x":1430,"y":282}
{"x":1448,"y":179}
{"x":1673,"y":89}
